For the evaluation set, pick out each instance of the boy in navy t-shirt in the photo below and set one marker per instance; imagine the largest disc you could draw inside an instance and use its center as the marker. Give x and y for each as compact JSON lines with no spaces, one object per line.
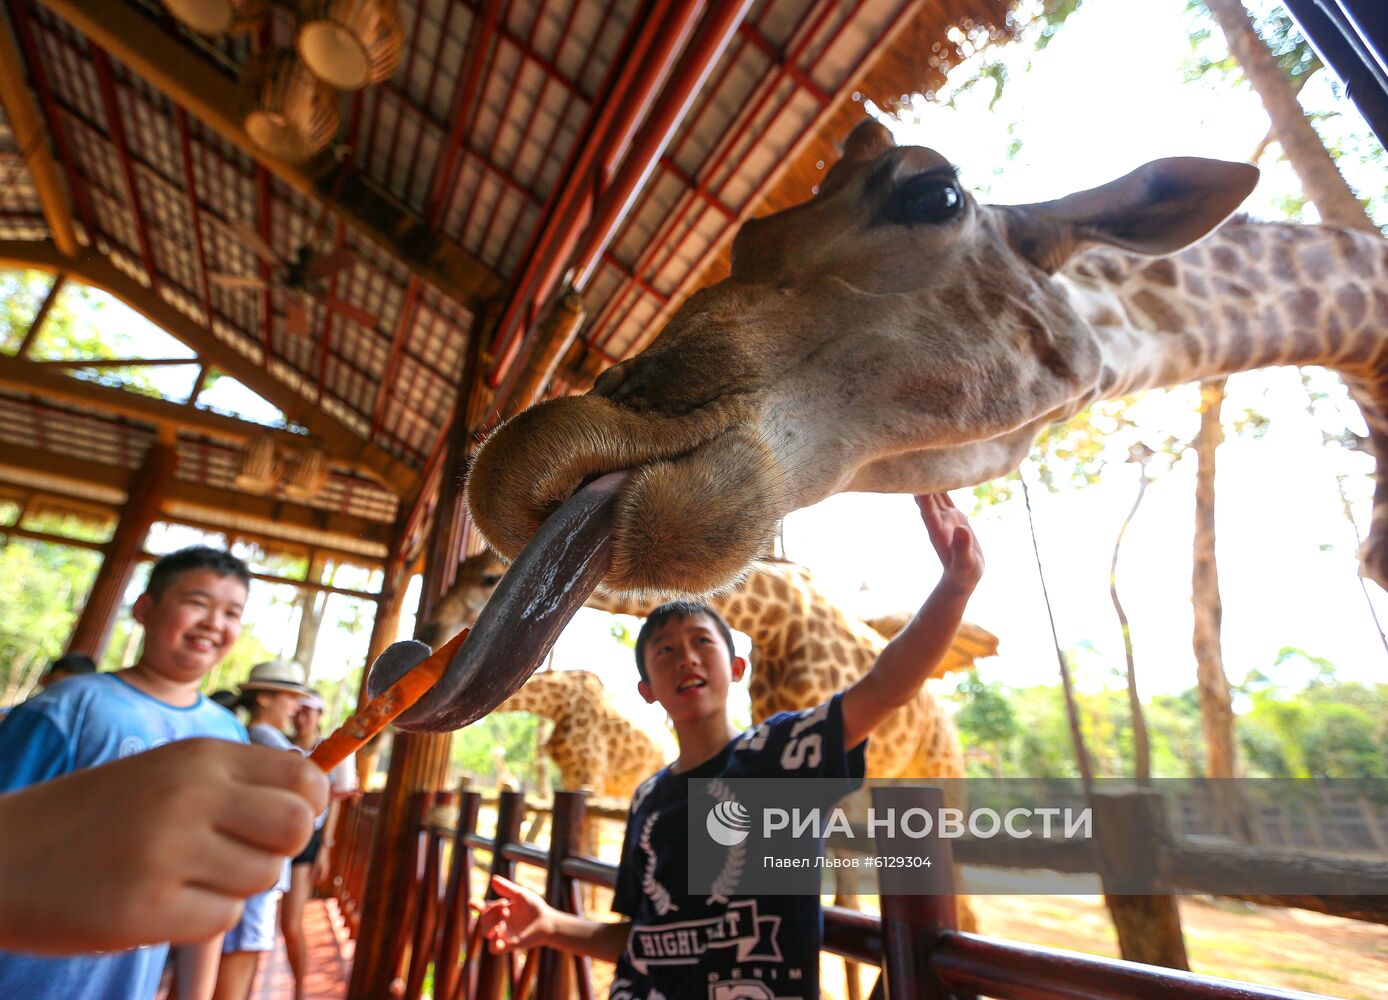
{"x":716,"y":945}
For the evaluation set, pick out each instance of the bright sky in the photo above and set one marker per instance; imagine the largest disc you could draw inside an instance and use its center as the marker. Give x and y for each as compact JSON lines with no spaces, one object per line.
{"x":1104,"y":97}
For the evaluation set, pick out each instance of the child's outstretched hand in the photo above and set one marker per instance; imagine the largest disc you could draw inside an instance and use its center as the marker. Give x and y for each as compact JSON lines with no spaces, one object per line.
{"x":161,"y":846}
{"x":519,"y":918}
{"x":953,"y":539}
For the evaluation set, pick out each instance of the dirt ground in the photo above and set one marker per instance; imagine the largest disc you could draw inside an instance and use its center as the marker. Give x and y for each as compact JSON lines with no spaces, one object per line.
{"x":1293,"y":949}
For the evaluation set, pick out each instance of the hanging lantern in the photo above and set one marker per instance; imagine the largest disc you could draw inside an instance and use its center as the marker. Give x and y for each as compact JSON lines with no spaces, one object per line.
{"x":308,"y":476}
{"x":216,"y":17}
{"x":295,"y":113}
{"x":352,"y":43}
{"x":259,"y":470}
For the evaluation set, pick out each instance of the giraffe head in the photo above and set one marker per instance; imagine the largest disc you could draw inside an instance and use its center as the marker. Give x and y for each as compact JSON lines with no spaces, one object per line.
{"x":476,"y":578}
{"x":889,"y":335}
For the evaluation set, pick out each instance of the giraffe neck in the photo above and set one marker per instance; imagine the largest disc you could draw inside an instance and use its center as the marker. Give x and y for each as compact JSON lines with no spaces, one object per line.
{"x":1250,"y":296}
{"x":539,"y":697}
{"x":762,"y":607}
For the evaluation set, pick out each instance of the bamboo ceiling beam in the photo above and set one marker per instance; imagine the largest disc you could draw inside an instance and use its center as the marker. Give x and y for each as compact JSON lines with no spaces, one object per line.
{"x":161,"y":58}
{"x":336,"y":439}
{"x":38,"y":379}
{"x":31,"y":136}
{"x":212,"y":499}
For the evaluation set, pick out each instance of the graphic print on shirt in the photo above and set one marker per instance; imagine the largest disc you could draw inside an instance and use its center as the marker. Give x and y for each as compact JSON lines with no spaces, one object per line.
{"x":655,"y":892}
{"x":740,"y":926}
{"x":731,"y":873}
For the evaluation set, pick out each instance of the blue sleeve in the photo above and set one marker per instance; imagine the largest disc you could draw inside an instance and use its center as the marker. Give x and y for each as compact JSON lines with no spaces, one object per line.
{"x":32,"y":750}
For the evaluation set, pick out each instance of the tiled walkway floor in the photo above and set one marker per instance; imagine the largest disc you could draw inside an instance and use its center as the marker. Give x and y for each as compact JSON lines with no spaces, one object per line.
{"x":329,"y":956}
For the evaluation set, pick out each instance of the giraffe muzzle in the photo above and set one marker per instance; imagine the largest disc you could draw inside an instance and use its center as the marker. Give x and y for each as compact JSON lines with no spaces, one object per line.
{"x":552,"y":578}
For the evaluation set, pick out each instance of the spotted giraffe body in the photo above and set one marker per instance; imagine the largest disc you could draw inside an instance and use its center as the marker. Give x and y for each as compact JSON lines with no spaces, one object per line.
{"x":805,"y":648}
{"x":593,"y":745}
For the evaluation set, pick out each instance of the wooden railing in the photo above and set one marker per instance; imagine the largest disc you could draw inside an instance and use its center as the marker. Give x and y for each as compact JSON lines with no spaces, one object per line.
{"x":914,"y":942}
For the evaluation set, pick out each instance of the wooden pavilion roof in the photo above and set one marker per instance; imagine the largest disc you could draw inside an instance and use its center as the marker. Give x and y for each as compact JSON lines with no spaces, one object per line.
{"x":124,"y":164}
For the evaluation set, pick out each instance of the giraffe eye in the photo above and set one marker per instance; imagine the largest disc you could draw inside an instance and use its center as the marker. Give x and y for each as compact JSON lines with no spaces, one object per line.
{"x":491,"y":579}
{"x":930,"y":198}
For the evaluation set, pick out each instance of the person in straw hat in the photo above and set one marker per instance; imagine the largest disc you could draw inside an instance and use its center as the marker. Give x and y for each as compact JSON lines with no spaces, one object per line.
{"x":271,"y":694}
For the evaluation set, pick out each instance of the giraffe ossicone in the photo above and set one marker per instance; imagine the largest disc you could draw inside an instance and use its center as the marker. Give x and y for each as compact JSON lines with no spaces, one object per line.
{"x":894,"y":335}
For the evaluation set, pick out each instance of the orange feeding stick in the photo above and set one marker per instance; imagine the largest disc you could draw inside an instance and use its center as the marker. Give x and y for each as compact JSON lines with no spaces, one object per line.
{"x":379,"y":711}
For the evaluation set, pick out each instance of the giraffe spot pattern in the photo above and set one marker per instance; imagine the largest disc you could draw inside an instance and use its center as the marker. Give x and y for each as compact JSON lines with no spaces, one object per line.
{"x":1161,"y":272}
{"x":1353,"y":303}
{"x":1160,"y":311}
{"x":1283,"y":266}
{"x":1224,"y":259}
{"x":1317,"y":262}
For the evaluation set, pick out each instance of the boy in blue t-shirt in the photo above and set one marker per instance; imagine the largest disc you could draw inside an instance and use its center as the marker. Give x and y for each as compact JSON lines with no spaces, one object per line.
{"x":681,"y":946}
{"x":191,"y":613}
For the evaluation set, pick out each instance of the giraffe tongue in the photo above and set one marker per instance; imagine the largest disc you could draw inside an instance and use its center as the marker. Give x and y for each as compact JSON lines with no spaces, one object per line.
{"x":549,"y":581}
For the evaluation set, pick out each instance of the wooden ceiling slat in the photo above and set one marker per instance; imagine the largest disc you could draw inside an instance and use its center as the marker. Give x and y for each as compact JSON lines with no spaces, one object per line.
{"x":335,"y":438}
{"x":161,"y":58}
{"x":30,"y":137}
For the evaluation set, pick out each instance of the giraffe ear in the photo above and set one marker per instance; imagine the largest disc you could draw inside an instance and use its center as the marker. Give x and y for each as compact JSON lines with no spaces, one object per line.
{"x":868,"y":140}
{"x":1159,"y":208}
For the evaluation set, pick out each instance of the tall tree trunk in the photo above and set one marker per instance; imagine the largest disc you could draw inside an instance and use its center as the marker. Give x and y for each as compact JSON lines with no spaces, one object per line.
{"x":1216,"y":705}
{"x":1067,"y":685}
{"x":1142,"y":752}
{"x":1212,"y":685}
{"x":1320,"y":178}
{"x":312,"y":604}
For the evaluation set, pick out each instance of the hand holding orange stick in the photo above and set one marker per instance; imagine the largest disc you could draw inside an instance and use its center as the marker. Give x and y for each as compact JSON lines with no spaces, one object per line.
{"x":376,"y":714}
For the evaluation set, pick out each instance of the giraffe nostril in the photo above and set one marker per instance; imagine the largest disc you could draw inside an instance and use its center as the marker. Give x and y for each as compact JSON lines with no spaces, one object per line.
{"x":610,"y":382}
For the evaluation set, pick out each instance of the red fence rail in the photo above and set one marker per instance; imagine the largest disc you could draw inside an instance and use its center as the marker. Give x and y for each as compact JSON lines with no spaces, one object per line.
{"x":915,"y":941}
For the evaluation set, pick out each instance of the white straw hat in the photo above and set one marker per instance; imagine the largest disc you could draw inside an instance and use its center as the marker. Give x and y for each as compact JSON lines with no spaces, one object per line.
{"x":277,"y":675}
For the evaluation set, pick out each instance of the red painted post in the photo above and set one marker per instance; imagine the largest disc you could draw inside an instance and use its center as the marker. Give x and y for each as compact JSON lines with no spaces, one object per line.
{"x":565,"y":834}
{"x":406,"y":904}
{"x":510,"y":811}
{"x":456,"y":920}
{"x":918,"y":904}
{"x":426,"y":923}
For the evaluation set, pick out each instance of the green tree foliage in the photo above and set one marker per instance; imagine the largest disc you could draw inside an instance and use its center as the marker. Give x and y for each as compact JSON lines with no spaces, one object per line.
{"x":1356,"y":150}
{"x":475,"y":748}
{"x":986,"y":716}
{"x":21,"y":294}
{"x":1296,"y":720}
{"x":42,"y":588}
{"x":1209,"y":55}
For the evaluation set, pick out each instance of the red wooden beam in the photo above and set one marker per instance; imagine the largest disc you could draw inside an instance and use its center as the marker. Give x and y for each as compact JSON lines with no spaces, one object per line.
{"x":190,"y":187}
{"x":24,"y":28}
{"x":115,"y":126}
{"x":479,"y":44}
{"x":325,"y":342}
{"x":397,"y":347}
{"x":634,"y":91}
{"x":603,"y":327}
{"x":552,"y":142}
{"x":264,"y":205}
{"x":655,"y":137}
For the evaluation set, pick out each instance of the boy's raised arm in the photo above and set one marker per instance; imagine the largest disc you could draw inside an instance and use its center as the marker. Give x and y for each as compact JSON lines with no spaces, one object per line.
{"x":913,"y":655}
